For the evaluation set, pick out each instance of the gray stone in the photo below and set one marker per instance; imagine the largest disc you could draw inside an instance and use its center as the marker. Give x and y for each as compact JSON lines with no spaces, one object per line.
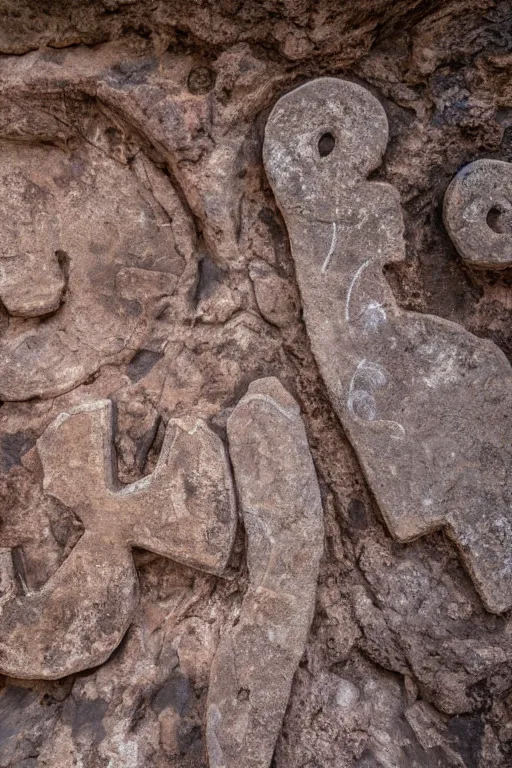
{"x":427,"y":405}
{"x":253,"y":669}
{"x":478,"y":213}
{"x":184,"y":510}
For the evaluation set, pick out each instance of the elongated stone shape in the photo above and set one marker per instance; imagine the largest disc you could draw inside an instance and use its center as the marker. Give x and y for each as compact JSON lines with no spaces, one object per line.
{"x":427,"y":405}
{"x":184,"y":510}
{"x":280,"y":503}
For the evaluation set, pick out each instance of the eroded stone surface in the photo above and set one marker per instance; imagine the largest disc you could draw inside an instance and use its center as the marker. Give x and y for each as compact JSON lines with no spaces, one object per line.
{"x":255,"y":663}
{"x":478,"y":212}
{"x":87,"y":251}
{"x":184,"y":510}
{"x":427,"y":405}
{"x":401,"y":624}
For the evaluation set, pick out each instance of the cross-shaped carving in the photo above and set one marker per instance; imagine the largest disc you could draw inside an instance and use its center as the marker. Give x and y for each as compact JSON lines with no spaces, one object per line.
{"x":184,"y":510}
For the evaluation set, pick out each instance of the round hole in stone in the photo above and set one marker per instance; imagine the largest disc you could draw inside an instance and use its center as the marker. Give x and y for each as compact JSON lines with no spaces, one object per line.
{"x":499,"y":218}
{"x":326,"y":144}
{"x":495,"y":220}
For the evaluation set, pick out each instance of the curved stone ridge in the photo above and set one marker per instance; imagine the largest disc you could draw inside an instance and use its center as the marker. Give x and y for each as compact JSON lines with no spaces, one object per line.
{"x":477,"y":209}
{"x":184,"y":510}
{"x":281,"y":507}
{"x":86,"y":251}
{"x":427,"y":405}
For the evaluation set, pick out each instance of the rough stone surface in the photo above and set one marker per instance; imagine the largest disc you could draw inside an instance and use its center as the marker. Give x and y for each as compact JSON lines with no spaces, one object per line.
{"x":477,"y":213}
{"x":427,"y":405}
{"x":280,"y":502}
{"x":156,"y":109}
{"x":85,"y":235}
{"x":184,"y":510}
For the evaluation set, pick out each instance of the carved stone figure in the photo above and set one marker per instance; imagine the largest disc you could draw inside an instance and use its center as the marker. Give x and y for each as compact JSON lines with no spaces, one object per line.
{"x":427,"y":405}
{"x":477,"y":208}
{"x":84,"y":236}
{"x":184,"y":510}
{"x":280,"y":502}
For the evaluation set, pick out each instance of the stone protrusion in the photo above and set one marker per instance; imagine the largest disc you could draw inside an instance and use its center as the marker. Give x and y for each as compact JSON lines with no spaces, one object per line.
{"x":280,"y":502}
{"x":184,"y":510}
{"x":427,"y":405}
{"x":478,"y":213}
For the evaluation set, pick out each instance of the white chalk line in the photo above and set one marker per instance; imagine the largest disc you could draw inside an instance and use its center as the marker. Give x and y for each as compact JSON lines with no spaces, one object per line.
{"x":372,"y":368}
{"x":351,"y":288}
{"x":332,"y":248}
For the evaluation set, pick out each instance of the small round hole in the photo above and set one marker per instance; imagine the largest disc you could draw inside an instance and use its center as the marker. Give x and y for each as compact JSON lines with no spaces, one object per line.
{"x":494,"y":220}
{"x":326,"y":144}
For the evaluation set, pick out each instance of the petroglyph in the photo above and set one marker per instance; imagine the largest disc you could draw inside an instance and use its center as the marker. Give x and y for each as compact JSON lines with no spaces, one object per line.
{"x":85,"y":252}
{"x":184,"y":510}
{"x":478,"y":213}
{"x":427,"y":405}
{"x":280,"y":502}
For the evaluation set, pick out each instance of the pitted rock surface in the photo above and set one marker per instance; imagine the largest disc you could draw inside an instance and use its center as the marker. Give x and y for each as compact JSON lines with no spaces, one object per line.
{"x":427,"y":405}
{"x":478,"y":213}
{"x":184,"y":510}
{"x":87,"y":252}
{"x":281,"y":507}
{"x":166,"y":106}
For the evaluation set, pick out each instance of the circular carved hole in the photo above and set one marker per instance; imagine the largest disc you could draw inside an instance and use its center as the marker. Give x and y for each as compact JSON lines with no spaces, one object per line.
{"x":500,"y":220}
{"x":326,"y":144}
{"x":493,"y":219}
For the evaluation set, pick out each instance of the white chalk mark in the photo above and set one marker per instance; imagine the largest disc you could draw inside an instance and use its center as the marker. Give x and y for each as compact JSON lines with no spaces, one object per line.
{"x":329,"y":256}
{"x":289,"y":413}
{"x":360,"y":401}
{"x":374,"y":316}
{"x":351,"y":288}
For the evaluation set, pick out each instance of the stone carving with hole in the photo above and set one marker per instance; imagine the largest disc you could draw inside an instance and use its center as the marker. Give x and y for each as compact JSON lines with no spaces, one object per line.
{"x":427,"y":405}
{"x":185,"y":511}
{"x":477,"y":210}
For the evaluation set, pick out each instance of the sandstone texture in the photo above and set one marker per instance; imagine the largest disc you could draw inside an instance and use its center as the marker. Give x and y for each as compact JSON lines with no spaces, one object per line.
{"x":255,"y":384}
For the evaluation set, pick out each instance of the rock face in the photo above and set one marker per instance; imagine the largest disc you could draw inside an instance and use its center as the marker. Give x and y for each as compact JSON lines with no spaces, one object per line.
{"x":427,"y":406}
{"x":158,"y":278}
{"x":280,"y":502}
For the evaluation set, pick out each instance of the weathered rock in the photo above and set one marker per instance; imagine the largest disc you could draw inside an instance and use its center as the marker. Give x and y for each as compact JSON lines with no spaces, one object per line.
{"x":273,"y":294}
{"x":253,"y":669}
{"x":427,"y":405}
{"x":86,"y":239}
{"x":184,"y":510}
{"x":403,"y":665}
{"x":478,"y":212}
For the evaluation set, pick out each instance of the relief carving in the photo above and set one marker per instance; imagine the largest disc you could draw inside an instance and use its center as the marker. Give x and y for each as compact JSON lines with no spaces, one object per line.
{"x":426,"y":404}
{"x":89,"y":249}
{"x":184,"y":510}
{"x":150,"y":328}
{"x":280,"y":503}
{"x":477,"y":209}
{"x":98,"y":245}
